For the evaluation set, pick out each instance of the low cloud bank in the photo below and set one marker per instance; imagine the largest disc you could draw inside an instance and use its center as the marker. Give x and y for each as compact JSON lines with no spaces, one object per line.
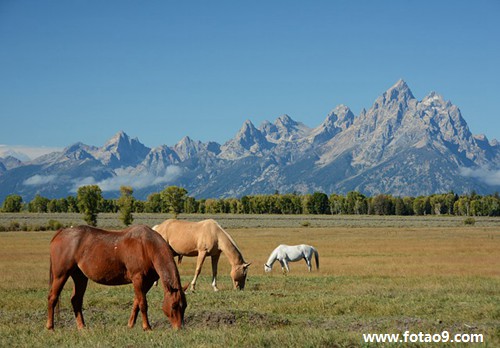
{"x":38,"y":180}
{"x":488,"y":176}
{"x":124,"y":178}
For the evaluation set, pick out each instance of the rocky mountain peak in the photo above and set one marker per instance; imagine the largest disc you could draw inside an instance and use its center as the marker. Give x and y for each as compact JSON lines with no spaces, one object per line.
{"x":286,"y":129}
{"x":77,"y":151}
{"x":10,"y":162}
{"x":285,"y":121}
{"x":159,"y":158}
{"x":122,"y":151}
{"x":399,"y":93}
{"x":338,"y":120}
{"x":248,"y":140}
{"x":187,"y":148}
{"x":248,"y":134}
{"x":435,"y":100}
{"x":344,"y":116}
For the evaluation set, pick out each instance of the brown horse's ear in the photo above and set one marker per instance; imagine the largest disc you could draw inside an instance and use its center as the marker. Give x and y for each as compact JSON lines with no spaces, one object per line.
{"x":245,"y":266}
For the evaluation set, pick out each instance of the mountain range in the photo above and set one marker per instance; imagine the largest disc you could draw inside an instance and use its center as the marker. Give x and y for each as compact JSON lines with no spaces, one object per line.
{"x":400,"y":146}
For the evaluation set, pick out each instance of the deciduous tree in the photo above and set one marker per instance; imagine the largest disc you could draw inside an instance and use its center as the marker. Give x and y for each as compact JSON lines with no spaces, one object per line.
{"x":89,"y":199}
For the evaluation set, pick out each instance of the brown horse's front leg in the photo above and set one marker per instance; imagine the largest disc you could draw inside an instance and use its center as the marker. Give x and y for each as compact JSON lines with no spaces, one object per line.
{"x":133,"y":315}
{"x":141,"y":287}
{"x":56,"y":286}
{"x":143,"y":306}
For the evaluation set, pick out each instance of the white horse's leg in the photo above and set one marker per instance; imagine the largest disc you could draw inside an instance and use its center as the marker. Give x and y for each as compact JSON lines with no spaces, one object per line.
{"x":282,"y":263}
{"x":215,"y":262}
{"x":308,"y":261}
{"x":286,"y":266}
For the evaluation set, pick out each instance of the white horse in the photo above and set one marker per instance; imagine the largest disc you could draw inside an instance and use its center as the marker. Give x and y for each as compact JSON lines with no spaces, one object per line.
{"x":290,"y":253}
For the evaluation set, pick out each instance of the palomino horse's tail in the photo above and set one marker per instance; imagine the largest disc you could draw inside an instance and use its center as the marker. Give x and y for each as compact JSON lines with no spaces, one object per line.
{"x":316,"y":257}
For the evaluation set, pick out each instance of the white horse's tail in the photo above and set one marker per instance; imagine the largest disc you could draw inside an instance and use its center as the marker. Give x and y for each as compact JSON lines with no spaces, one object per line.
{"x":316,"y":257}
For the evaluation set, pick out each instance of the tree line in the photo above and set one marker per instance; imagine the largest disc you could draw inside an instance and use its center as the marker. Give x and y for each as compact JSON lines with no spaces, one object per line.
{"x":172,"y":199}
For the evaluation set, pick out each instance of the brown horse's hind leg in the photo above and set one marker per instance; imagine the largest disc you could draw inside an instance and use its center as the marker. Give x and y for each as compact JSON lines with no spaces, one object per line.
{"x":80,"y":281}
{"x":56,"y":287}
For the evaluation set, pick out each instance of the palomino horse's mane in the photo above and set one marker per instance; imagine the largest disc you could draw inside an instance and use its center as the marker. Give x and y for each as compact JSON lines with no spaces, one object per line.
{"x":230,"y":239}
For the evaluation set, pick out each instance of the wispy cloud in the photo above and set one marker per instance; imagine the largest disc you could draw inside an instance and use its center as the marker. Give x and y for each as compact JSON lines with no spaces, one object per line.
{"x":488,"y":176}
{"x":37,"y":180}
{"x":124,"y":178}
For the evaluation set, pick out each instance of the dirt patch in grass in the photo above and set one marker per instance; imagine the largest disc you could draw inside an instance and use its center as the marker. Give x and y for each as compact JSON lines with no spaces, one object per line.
{"x":216,"y":319}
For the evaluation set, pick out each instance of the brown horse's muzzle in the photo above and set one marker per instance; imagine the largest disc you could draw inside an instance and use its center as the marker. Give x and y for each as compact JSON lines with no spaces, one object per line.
{"x":174,"y":306}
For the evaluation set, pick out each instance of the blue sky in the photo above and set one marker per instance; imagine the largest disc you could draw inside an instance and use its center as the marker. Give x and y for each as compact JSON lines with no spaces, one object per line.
{"x":159,"y":70}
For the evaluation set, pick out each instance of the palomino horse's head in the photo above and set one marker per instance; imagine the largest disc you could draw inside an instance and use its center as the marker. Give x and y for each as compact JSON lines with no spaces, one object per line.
{"x":239,"y":275}
{"x":174,"y":306}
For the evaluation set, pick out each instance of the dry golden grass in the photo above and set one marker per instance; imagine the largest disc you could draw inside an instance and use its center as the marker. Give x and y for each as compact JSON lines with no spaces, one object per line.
{"x":371,"y":279}
{"x":458,"y":251}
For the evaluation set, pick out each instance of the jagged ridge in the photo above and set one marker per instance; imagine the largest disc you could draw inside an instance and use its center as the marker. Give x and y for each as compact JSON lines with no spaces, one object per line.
{"x":400,"y":146}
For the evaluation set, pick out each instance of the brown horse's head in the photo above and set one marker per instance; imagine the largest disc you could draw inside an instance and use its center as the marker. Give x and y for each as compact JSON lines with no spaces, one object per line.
{"x":239,"y":275}
{"x":174,"y":306}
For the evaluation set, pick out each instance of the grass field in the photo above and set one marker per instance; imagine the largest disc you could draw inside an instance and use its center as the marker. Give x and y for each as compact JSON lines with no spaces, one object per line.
{"x":376,"y":276}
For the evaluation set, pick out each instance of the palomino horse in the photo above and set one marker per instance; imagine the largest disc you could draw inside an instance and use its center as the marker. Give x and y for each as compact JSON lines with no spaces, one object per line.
{"x":137,"y":255}
{"x":290,"y":253}
{"x":201,"y":239}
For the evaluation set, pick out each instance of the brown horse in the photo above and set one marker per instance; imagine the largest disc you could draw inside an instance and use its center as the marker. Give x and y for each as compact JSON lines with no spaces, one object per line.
{"x":137,"y":255}
{"x":201,"y":239}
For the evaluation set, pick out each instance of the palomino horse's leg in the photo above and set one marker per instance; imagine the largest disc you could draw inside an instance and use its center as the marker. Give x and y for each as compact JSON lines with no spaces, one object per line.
{"x":215,"y":262}
{"x":57,"y":285}
{"x":80,"y":281}
{"x":199,"y":264}
{"x":140,"y":302}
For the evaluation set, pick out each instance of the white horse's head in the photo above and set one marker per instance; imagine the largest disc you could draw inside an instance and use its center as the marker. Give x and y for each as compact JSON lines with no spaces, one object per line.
{"x":267,"y":268}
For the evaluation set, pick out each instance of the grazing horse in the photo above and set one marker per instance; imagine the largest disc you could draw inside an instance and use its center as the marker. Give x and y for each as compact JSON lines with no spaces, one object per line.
{"x":137,"y":255}
{"x":202,"y":239}
{"x":290,"y":253}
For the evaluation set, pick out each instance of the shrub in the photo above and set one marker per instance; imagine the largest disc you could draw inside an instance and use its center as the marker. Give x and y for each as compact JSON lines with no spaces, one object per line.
{"x":14,"y":226}
{"x":469,"y":221}
{"x":54,"y":225}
